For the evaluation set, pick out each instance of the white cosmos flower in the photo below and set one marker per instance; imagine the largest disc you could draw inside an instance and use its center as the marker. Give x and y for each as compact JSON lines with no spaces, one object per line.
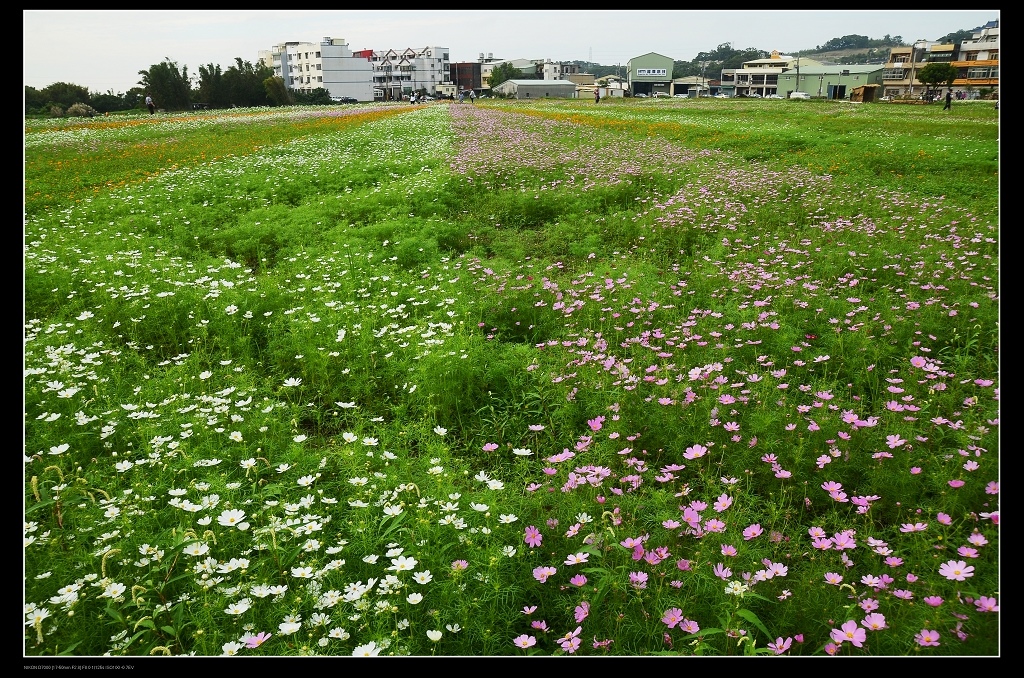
{"x":292,"y":381}
{"x":368,"y":650}
{"x":479,"y":507}
{"x":440,"y":430}
{"x":521,"y":452}
{"x":402,"y":563}
{"x":434,"y":635}
{"x":231,"y":517}
{"x":414,"y":598}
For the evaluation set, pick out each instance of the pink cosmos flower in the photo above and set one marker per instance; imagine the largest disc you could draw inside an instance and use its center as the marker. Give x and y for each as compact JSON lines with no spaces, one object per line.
{"x":849,"y":632}
{"x":695,"y":452}
{"x":833,"y":578}
{"x":259,"y":639}
{"x":638,"y":579}
{"x":934,"y":601}
{"x":752,"y":532}
{"x":459,"y":565}
{"x":533,"y":537}
{"x":944,"y":518}
{"x":925,"y":638}
{"x":582,"y":610}
{"x":722,"y":572}
{"x":689,"y":626}
{"x":540,"y":625}
{"x":576,"y":558}
{"x":524,"y":641}
{"x":541,"y":574}
{"x":728,"y":550}
{"x":992,"y":487}
{"x":780,"y":645}
{"x":672,"y":617}
{"x":978,"y":539}
{"x":986,"y":604}
{"x":956,"y":570}
{"x":490,"y":447}
{"x":578,"y":580}
{"x":967,"y":552}
{"x":894,"y":441}
{"x":914,"y":470}
{"x":529,"y":609}
{"x":956,"y":482}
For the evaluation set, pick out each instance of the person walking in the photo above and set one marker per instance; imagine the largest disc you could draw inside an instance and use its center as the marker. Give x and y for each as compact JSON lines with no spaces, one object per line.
{"x":949,"y":100}
{"x":150,"y":105}
{"x":597,"y":95}
{"x":472,"y":96}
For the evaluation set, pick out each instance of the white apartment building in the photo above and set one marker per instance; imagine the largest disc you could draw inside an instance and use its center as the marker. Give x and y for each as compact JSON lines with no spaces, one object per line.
{"x":398,"y":73}
{"x":306,"y":66}
{"x":559,"y":71}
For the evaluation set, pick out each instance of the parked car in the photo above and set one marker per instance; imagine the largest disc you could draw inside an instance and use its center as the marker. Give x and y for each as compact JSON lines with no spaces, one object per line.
{"x":347,"y":100}
{"x":773,"y":96}
{"x":799,"y":95}
{"x":721,"y":96}
{"x":660,"y":94}
{"x":679,"y":96}
{"x":641,"y":95}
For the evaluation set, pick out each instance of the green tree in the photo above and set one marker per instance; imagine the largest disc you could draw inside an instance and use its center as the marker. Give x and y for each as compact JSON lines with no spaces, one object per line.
{"x":937,"y":74}
{"x":503,"y":72}
{"x":65,"y":94}
{"x":212,"y":90}
{"x":169,"y":86}
{"x":108,"y":102}
{"x":317,"y":97}
{"x":35,"y":101}
{"x":244,"y":83}
{"x":276,"y":91}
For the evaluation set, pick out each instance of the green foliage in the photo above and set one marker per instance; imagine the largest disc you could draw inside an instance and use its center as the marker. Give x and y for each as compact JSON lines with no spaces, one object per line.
{"x":276,"y":91}
{"x":934,"y":74}
{"x":169,"y":86}
{"x":503,"y":72}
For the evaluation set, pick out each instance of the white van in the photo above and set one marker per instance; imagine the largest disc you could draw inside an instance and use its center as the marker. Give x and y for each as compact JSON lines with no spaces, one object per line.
{"x":799,"y":95}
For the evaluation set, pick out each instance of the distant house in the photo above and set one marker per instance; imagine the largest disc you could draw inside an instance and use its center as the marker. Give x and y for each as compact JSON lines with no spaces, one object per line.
{"x":537,"y":89}
{"x":650,"y":74}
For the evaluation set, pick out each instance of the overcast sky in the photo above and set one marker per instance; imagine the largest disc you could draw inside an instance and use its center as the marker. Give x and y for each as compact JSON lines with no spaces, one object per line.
{"x":105,"y":49}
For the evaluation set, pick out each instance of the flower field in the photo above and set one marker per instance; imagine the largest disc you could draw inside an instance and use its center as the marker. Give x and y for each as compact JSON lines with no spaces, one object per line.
{"x":683,"y":377}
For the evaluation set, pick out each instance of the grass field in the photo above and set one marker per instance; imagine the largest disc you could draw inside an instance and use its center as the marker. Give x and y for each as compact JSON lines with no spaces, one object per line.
{"x":686,"y":377}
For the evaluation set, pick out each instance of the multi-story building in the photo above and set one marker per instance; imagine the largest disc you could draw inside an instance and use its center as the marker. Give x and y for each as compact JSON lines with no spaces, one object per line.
{"x":396,"y":74}
{"x":977,"y":63}
{"x":558,"y":71}
{"x":330,"y":64}
{"x":467,"y":76}
{"x":899,"y":74}
{"x":760,"y":77}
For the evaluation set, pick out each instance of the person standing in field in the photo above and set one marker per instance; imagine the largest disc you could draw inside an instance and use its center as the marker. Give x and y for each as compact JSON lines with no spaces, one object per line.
{"x":150,"y":105}
{"x":949,"y":100}
{"x":597,"y":95}
{"x":472,"y":97}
